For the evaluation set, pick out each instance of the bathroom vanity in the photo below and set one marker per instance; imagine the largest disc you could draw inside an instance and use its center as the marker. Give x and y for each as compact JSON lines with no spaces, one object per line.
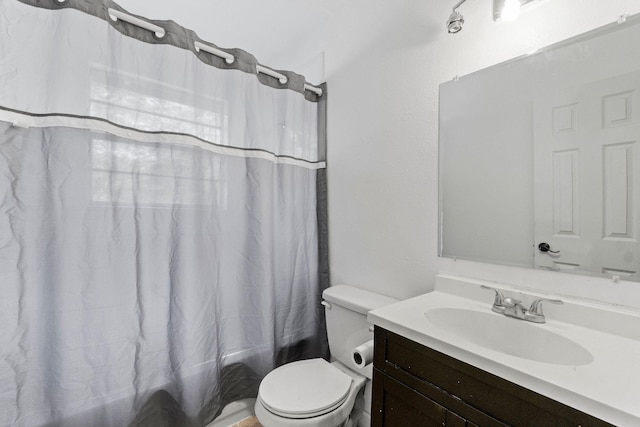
{"x":418,"y":386}
{"x":445,"y":358}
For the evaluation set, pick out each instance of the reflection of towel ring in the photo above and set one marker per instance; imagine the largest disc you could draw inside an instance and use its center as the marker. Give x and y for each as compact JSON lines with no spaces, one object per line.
{"x":544,"y":247}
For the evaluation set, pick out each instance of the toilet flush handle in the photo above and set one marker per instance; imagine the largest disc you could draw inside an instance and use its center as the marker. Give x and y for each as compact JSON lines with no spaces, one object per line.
{"x":326,"y":304}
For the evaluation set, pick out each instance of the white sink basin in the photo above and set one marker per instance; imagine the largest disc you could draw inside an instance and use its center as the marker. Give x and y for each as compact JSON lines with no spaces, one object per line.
{"x":509,"y":336}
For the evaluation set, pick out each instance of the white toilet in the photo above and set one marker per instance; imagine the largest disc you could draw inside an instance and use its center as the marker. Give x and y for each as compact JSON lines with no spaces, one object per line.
{"x":316,"y":393}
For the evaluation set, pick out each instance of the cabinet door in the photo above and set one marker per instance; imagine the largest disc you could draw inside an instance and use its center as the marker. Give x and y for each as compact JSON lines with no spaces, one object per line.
{"x":396,"y":405}
{"x":400,"y":406}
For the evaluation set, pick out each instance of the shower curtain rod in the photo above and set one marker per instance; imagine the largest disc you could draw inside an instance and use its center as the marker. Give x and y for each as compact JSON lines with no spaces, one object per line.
{"x":229,"y":58}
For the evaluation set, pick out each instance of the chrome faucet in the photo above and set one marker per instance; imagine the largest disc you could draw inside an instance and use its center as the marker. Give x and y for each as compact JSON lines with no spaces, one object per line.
{"x":513,"y":308}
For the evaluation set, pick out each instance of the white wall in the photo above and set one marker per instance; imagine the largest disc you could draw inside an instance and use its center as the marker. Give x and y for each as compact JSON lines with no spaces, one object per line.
{"x":383,"y":136}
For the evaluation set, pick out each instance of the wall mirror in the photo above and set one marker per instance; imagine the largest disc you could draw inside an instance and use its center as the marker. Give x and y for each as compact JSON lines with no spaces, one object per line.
{"x":540,"y":159}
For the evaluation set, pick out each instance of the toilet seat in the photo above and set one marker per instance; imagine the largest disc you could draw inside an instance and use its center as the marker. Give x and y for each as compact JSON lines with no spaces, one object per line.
{"x":304,"y":389}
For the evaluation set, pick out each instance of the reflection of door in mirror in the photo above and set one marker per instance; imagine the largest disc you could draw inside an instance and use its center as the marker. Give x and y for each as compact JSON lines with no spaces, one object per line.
{"x":586,"y":138}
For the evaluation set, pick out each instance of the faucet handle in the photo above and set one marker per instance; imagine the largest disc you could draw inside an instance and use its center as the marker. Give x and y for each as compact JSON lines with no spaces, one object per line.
{"x":498,"y":302}
{"x":536,"y":306}
{"x":535,"y":313}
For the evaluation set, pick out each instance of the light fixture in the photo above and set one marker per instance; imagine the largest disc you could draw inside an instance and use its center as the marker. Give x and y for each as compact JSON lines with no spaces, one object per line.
{"x":508,"y":10}
{"x":503,"y":10}
{"x":511,"y":10}
{"x":456,"y":20}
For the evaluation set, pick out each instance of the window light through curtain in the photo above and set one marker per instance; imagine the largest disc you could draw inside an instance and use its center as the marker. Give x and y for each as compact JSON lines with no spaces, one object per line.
{"x":115,"y":163}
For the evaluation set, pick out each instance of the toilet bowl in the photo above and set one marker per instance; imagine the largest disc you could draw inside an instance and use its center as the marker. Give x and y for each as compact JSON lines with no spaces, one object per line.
{"x":309,"y":393}
{"x":316,"y":393}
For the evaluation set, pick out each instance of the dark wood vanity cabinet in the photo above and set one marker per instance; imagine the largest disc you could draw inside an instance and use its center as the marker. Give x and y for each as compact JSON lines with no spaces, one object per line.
{"x":414,"y":385}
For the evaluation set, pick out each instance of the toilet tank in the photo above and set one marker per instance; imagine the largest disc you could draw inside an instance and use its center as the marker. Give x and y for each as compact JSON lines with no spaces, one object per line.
{"x":346,"y":309}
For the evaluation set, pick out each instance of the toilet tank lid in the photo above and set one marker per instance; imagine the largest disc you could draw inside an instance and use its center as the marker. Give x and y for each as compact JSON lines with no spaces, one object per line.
{"x":356,"y":299}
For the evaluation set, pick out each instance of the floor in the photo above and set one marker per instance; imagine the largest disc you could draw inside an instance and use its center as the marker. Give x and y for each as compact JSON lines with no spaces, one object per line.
{"x":237,"y":414}
{"x":249,"y":422}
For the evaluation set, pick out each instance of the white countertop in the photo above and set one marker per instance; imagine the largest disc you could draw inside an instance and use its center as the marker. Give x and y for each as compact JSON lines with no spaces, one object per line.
{"x":606,"y":388}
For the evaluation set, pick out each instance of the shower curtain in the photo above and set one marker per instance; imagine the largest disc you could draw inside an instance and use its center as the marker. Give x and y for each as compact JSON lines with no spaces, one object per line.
{"x":162,"y":220}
